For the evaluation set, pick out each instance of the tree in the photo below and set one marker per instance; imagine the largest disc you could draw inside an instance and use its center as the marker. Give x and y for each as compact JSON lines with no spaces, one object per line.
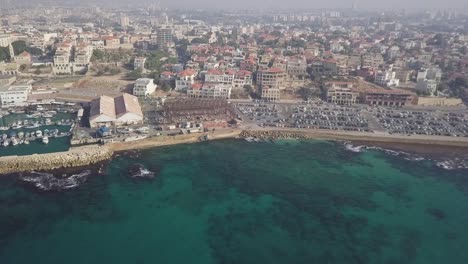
{"x":98,"y":55}
{"x":37,"y":71}
{"x":133,"y":75}
{"x":23,"y":67}
{"x":199,"y":41}
{"x":305,"y":93}
{"x":166,"y":87}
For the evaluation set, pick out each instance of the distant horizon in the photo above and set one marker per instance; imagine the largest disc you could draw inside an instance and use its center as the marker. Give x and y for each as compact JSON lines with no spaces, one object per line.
{"x":291,"y":5}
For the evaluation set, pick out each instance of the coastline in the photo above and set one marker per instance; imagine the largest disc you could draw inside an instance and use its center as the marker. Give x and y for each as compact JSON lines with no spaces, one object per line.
{"x":92,"y":154}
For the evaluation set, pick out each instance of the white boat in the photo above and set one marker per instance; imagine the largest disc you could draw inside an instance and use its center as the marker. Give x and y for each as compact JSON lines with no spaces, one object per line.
{"x":38,"y":134}
{"x":4,"y":128}
{"x":5,"y":143}
{"x":26,"y":142}
{"x":14,"y":142}
{"x":45,"y":140}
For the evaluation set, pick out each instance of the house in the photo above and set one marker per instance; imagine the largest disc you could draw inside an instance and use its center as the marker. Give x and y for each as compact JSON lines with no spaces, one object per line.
{"x":139,"y":63}
{"x":210,"y":90}
{"x":121,"y":110}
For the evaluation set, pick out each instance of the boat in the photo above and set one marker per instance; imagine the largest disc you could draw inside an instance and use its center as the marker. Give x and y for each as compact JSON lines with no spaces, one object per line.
{"x":4,"y":128}
{"x":48,"y":121}
{"x":4,"y":136}
{"x":26,"y":142}
{"x":32,"y":126}
{"x":38,"y":134}
{"x":45,"y":140}
{"x":21,"y":134}
{"x":5,"y":143}
{"x":14,"y":142}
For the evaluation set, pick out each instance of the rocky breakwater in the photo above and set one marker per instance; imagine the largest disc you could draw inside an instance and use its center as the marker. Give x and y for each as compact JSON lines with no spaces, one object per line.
{"x":271,"y":134}
{"x":75,"y":157}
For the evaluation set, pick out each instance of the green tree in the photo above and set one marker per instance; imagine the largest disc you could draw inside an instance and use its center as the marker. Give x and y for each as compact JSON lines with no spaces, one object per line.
{"x":133,"y":75}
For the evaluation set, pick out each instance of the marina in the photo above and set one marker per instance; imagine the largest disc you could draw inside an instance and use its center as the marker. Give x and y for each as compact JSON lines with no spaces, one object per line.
{"x":41,"y":131}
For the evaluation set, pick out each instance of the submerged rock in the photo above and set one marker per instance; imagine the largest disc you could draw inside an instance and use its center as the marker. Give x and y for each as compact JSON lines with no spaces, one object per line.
{"x":139,"y":171}
{"x":50,"y":182}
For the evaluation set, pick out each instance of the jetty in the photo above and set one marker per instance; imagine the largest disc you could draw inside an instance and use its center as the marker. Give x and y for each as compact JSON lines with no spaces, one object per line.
{"x":75,"y":157}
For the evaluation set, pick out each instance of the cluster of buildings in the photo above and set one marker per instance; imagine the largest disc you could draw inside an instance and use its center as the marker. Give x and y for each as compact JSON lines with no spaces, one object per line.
{"x":70,"y":58}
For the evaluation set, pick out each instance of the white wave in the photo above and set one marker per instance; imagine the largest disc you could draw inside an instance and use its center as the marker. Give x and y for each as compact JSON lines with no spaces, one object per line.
{"x":49,"y":182}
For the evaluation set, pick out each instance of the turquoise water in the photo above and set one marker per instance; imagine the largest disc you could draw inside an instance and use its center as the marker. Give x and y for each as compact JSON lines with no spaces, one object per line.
{"x":237,"y":202}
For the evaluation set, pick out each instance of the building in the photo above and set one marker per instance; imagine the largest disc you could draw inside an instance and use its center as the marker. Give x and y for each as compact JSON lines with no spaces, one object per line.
{"x":15,"y":95}
{"x":371,"y":60}
{"x":62,"y":63}
{"x":386,"y":78}
{"x":271,"y":94}
{"x":23,"y":58}
{"x":427,"y":87}
{"x":139,"y":63}
{"x":121,"y":110}
{"x":124,"y":21}
{"x":341,"y":93}
{"x":387,"y":97}
{"x":296,"y":68}
{"x":82,"y":57}
{"x":144,"y":87}
{"x":5,"y":40}
{"x":185,"y":79}
{"x":210,"y":90}
{"x":271,"y":77}
{"x":164,"y":35}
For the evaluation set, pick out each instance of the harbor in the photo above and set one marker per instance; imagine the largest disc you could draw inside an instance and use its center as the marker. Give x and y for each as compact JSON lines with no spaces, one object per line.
{"x":38,"y":131}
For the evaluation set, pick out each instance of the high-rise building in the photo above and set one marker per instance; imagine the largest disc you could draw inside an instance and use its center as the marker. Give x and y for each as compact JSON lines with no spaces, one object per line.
{"x":164,"y":37}
{"x":124,"y":21}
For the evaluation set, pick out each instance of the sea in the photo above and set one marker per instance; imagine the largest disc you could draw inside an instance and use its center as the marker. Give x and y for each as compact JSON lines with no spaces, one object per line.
{"x":233,"y":201}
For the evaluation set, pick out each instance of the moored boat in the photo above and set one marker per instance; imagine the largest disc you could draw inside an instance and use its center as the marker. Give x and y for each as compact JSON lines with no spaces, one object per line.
{"x":45,"y":140}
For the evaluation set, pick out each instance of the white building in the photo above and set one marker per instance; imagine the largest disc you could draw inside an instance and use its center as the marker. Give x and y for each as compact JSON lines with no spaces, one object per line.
{"x":16,"y":95}
{"x":139,"y":63}
{"x":5,"y":40}
{"x":144,"y":87}
{"x":386,"y":78}
{"x":210,"y":90}
{"x":185,"y":79}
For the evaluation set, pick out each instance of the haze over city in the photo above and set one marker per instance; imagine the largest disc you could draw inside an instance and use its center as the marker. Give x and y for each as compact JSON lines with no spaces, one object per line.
{"x":246,"y":131}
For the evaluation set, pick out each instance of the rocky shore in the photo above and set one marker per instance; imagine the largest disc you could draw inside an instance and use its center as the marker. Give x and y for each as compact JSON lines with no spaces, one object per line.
{"x":271,"y":134}
{"x":75,"y":157}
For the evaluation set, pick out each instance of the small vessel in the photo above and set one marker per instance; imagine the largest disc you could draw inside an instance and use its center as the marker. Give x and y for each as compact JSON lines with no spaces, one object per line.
{"x":4,"y":128}
{"x":5,"y":143}
{"x":48,"y":121}
{"x":38,"y":134}
{"x":4,"y":136}
{"x":21,"y":134}
{"x":27,"y":135}
{"x":45,"y":140}
{"x":14,"y":141}
{"x":26,"y":142}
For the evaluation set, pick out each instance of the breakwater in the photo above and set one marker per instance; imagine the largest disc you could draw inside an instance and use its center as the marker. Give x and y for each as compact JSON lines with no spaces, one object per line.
{"x":75,"y":157}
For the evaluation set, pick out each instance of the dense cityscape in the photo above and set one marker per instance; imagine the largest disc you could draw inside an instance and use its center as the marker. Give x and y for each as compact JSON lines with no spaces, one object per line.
{"x":233,"y":135}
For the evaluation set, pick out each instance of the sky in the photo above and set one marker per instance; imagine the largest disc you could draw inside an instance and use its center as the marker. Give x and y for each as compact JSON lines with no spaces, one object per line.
{"x":365,"y":4}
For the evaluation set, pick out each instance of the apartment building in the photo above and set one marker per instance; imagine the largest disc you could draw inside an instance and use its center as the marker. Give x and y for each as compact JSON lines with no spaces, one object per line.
{"x":210,"y":90}
{"x":271,"y":77}
{"x":371,"y":60}
{"x":271,"y":93}
{"x":341,"y":93}
{"x":386,"y":78}
{"x":14,"y":95}
{"x":144,"y":87}
{"x":185,"y":79}
{"x":296,"y":68}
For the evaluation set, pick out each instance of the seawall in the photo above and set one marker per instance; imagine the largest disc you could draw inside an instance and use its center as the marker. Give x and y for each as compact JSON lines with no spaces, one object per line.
{"x":75,"y":157}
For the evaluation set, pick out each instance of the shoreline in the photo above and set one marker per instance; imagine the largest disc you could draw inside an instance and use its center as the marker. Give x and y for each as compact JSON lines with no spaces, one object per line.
{"x":93,"y":154}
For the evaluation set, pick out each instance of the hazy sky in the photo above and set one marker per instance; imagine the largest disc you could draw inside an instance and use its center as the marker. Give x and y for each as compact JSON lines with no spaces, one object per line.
{"x":395,"y":4}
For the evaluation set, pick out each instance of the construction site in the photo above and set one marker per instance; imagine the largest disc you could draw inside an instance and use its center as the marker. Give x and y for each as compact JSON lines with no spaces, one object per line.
{"x":211,"y":113}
